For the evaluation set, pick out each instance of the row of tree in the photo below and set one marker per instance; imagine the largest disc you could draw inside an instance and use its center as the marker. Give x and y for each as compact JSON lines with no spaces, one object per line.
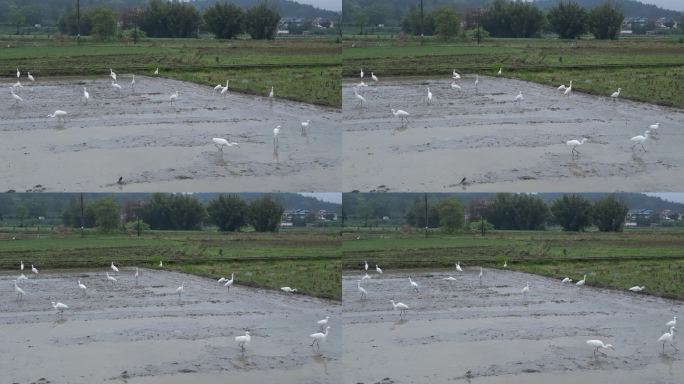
{"x":522,"y":212}
{"x":176,"y":212}
{"x":162,"y":18}
{"x":508,"y":18}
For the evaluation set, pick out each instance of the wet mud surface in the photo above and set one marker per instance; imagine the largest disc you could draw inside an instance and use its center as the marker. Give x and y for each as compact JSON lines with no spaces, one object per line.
{"x":498,"y":145}
{"x":154,"y":145}
{"x":465,"y":331}
{"x":123,"y":333}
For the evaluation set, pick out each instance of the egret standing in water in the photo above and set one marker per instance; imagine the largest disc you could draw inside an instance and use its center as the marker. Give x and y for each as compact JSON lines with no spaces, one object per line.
{"x":668,"y":337}
{"x":133,"y":84}
{"x":377,"y":269}
{"x":60,"y":307}
{"x":322,"y":323}
{"x":401,"y":114}
{"x":112,"y":74}
{"x":362,"y":73}
{"x":526,"y":290}
{"x":305,"y":126}
{"x":86,"y":95}
{"x":568,"y":90}
{"x":21,"y":266}
{"x":413,"y":284}
{"x":429,"y":96}
{"x":17,"y":98}
{"x":361,"y":100}
{"x":137,"y":274}
{"x":110,"y":278}
{"x":640,"y":139}
{"x":59,"y":114}
{"x":481,"y":275}
{"x":276,"y":132}
{"x":229,"y":283}
{"x":173,"y":97}
{"x":362,"y":290}
{"x":519,"y":99}
{"x":113,"y":267}
{"x":616,"y":94}
{"x":319,"y":337}
{"x":400,"y":306}
{"x":20,"y":292}
{"x":82,"y":287}
{"x":34,"y":269}
{"x":599,"y":344}
{"x":574,"y":144}
{"x":180,"y":290}
{"x":271,"y":94}
{"x":458,"y":267}
{"x":365,"y":265}
{"x":581,"y":282}
{"x":375,"y":78}
{"x":30,"y":77}
{"x":243,"y":340}
{"x":220,"y":143}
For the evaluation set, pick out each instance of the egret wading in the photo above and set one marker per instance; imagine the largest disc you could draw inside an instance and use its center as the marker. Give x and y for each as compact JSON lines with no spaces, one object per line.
{"x":574,"y":144}
{"x":319,"y":337}
{"x":362,"y":290}
{"x":400,"y":306}
{"x":599,"y":344}
{"x":243,"y":340}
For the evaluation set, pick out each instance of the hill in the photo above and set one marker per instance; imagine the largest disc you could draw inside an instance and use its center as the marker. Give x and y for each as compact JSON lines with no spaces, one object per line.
{"x":631,"y":8}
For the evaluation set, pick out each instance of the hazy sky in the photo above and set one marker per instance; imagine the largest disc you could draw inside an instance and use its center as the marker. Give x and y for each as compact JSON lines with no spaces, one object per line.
{"x":331,"y":197}
{"x":677,"y":5}
{"x":671,"y":196}
{"x":336,"y":5}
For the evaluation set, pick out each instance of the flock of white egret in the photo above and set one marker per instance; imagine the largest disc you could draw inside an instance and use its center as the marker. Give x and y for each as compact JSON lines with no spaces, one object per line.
{"x":242,"y":340}
{"x":518,"y":100}
{"x":220,"y":143}
{"x":666,"y":338}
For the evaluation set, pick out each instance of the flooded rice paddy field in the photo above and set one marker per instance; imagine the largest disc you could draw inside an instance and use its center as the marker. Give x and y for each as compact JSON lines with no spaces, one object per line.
{"x":498,"y":145}
{"x":156,"y":145}
{"x":488,"y":333}
{"x":123,"y":333}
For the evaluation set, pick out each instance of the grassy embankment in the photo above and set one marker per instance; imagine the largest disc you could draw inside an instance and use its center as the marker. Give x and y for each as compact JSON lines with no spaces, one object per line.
{"x":654,"y":258}
{"x":307,"y":260}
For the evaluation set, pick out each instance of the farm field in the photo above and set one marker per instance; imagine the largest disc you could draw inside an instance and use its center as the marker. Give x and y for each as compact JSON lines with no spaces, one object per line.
{"x":307,"y":261}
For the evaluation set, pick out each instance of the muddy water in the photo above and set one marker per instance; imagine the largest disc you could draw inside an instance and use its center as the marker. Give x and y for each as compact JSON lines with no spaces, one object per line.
{"x":159,"y":146}
{"x":498,"y":145}
{"x":144,"y":334}
{"x":488,"y":333}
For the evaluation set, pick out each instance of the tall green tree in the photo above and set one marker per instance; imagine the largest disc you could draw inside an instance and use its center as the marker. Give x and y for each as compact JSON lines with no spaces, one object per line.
{"x":517,"y":212}
{"x":610,"y":214}
{"x":173,"y":18}
{"x":447,"y":22}
{"x":229,"y":213}
{"x":106,"y":215}
{"x":605,"y":21}
{"x":262,"y":21}
{"x":173,"y":212}
{"x":572,"y":212}
{"x":415,"y":215}
{"x":568,"y":20}
{"x":265,"y":214}
{"x":17,"y":18}
{"x":104,"y":23}
{"x":451,"y":215}
{"x":224,"y":20}
{"x":506,"y":18}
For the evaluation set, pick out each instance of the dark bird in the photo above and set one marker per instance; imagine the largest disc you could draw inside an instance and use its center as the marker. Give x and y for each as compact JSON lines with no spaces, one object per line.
{"x":120,"y":181}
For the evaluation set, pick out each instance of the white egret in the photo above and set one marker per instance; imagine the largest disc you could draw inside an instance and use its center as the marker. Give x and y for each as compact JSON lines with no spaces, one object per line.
{"x":377,"y":269}
{"x":366,"y":277}
{"x":243,"y":340}
{"x":362,"y":290}
{"x":18,"y":73}
{"x":455,"y":75}
{"x":450,"y":278}
{"x":568,"y":90}
{"x":16,"y":97}
{"x":637,"y":288}
{"x":500,"y":71}
{"x":224,"y":90}
{"x":276,"y":132}
{"x":481,"y":275}
{"x":180,"y":290}
{"x":21,"y":265}
{"x":458,"y":267}
{"x":454,"y":85}
{"x":59,"y":114}
{"x":305,"y":125}
{"x":20,"y":292}
{"x":400,"y":306}
{"x":616,"y":94}
{"x":319,"y":337}
{"x":566,"y":280}
{"x":30,"y":76}
{"x":288,"y":289}
{"x":365,"y":265}
{"x":362,"y":73}
{"x":113,"y":267}
{"x":220,"y":143}
{"x":562,"y":87}
{"x":173,"y":97}
{"x":361,"y":84}
{"x":640,"y":139}
{"x":429,"y":95}
{"x":34,"y":269}
{"x":403,"y":115}
{"x":668,"y":337}
{"x":271,"y":94}
{"x":361,"y":100}
{"x":112,"y":74}
{"x":581,"y":282}
{"x":229,"y":283}
{"x":477,"y":81}
{"x":323,"y":322}
{"x":116,"y":85}
{"x":110,"y":278}
{"x":413,"y":284}
{"x":519,"y":99}
{"x":161,"y":264}
{"x":17,"y":85}
{"x":222,"y":280}
{"x":82,"y":287}
{"x":22,"y":277}
{"x":133,"y":83}
{"x":218,"y":86}
{"x":375,"y":78}
{"x":574,"y":144}
{"x":526,"y":289}
{"x":599,"y":344}
{"x":505,"y":264}
{"x":86,"y":95}
{"x":156,"y":71}
{"x":137,"y":274}
{"x":60,"y":307}
{"x":672,"y":322}
{"x":654,"y":127}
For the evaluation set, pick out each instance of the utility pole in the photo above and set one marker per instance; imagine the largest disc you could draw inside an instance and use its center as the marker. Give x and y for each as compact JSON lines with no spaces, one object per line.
{"x":479,"y":19}
{"x":422,"y":30}
{"x":78,"y":28}
{"x":82,"y":232}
